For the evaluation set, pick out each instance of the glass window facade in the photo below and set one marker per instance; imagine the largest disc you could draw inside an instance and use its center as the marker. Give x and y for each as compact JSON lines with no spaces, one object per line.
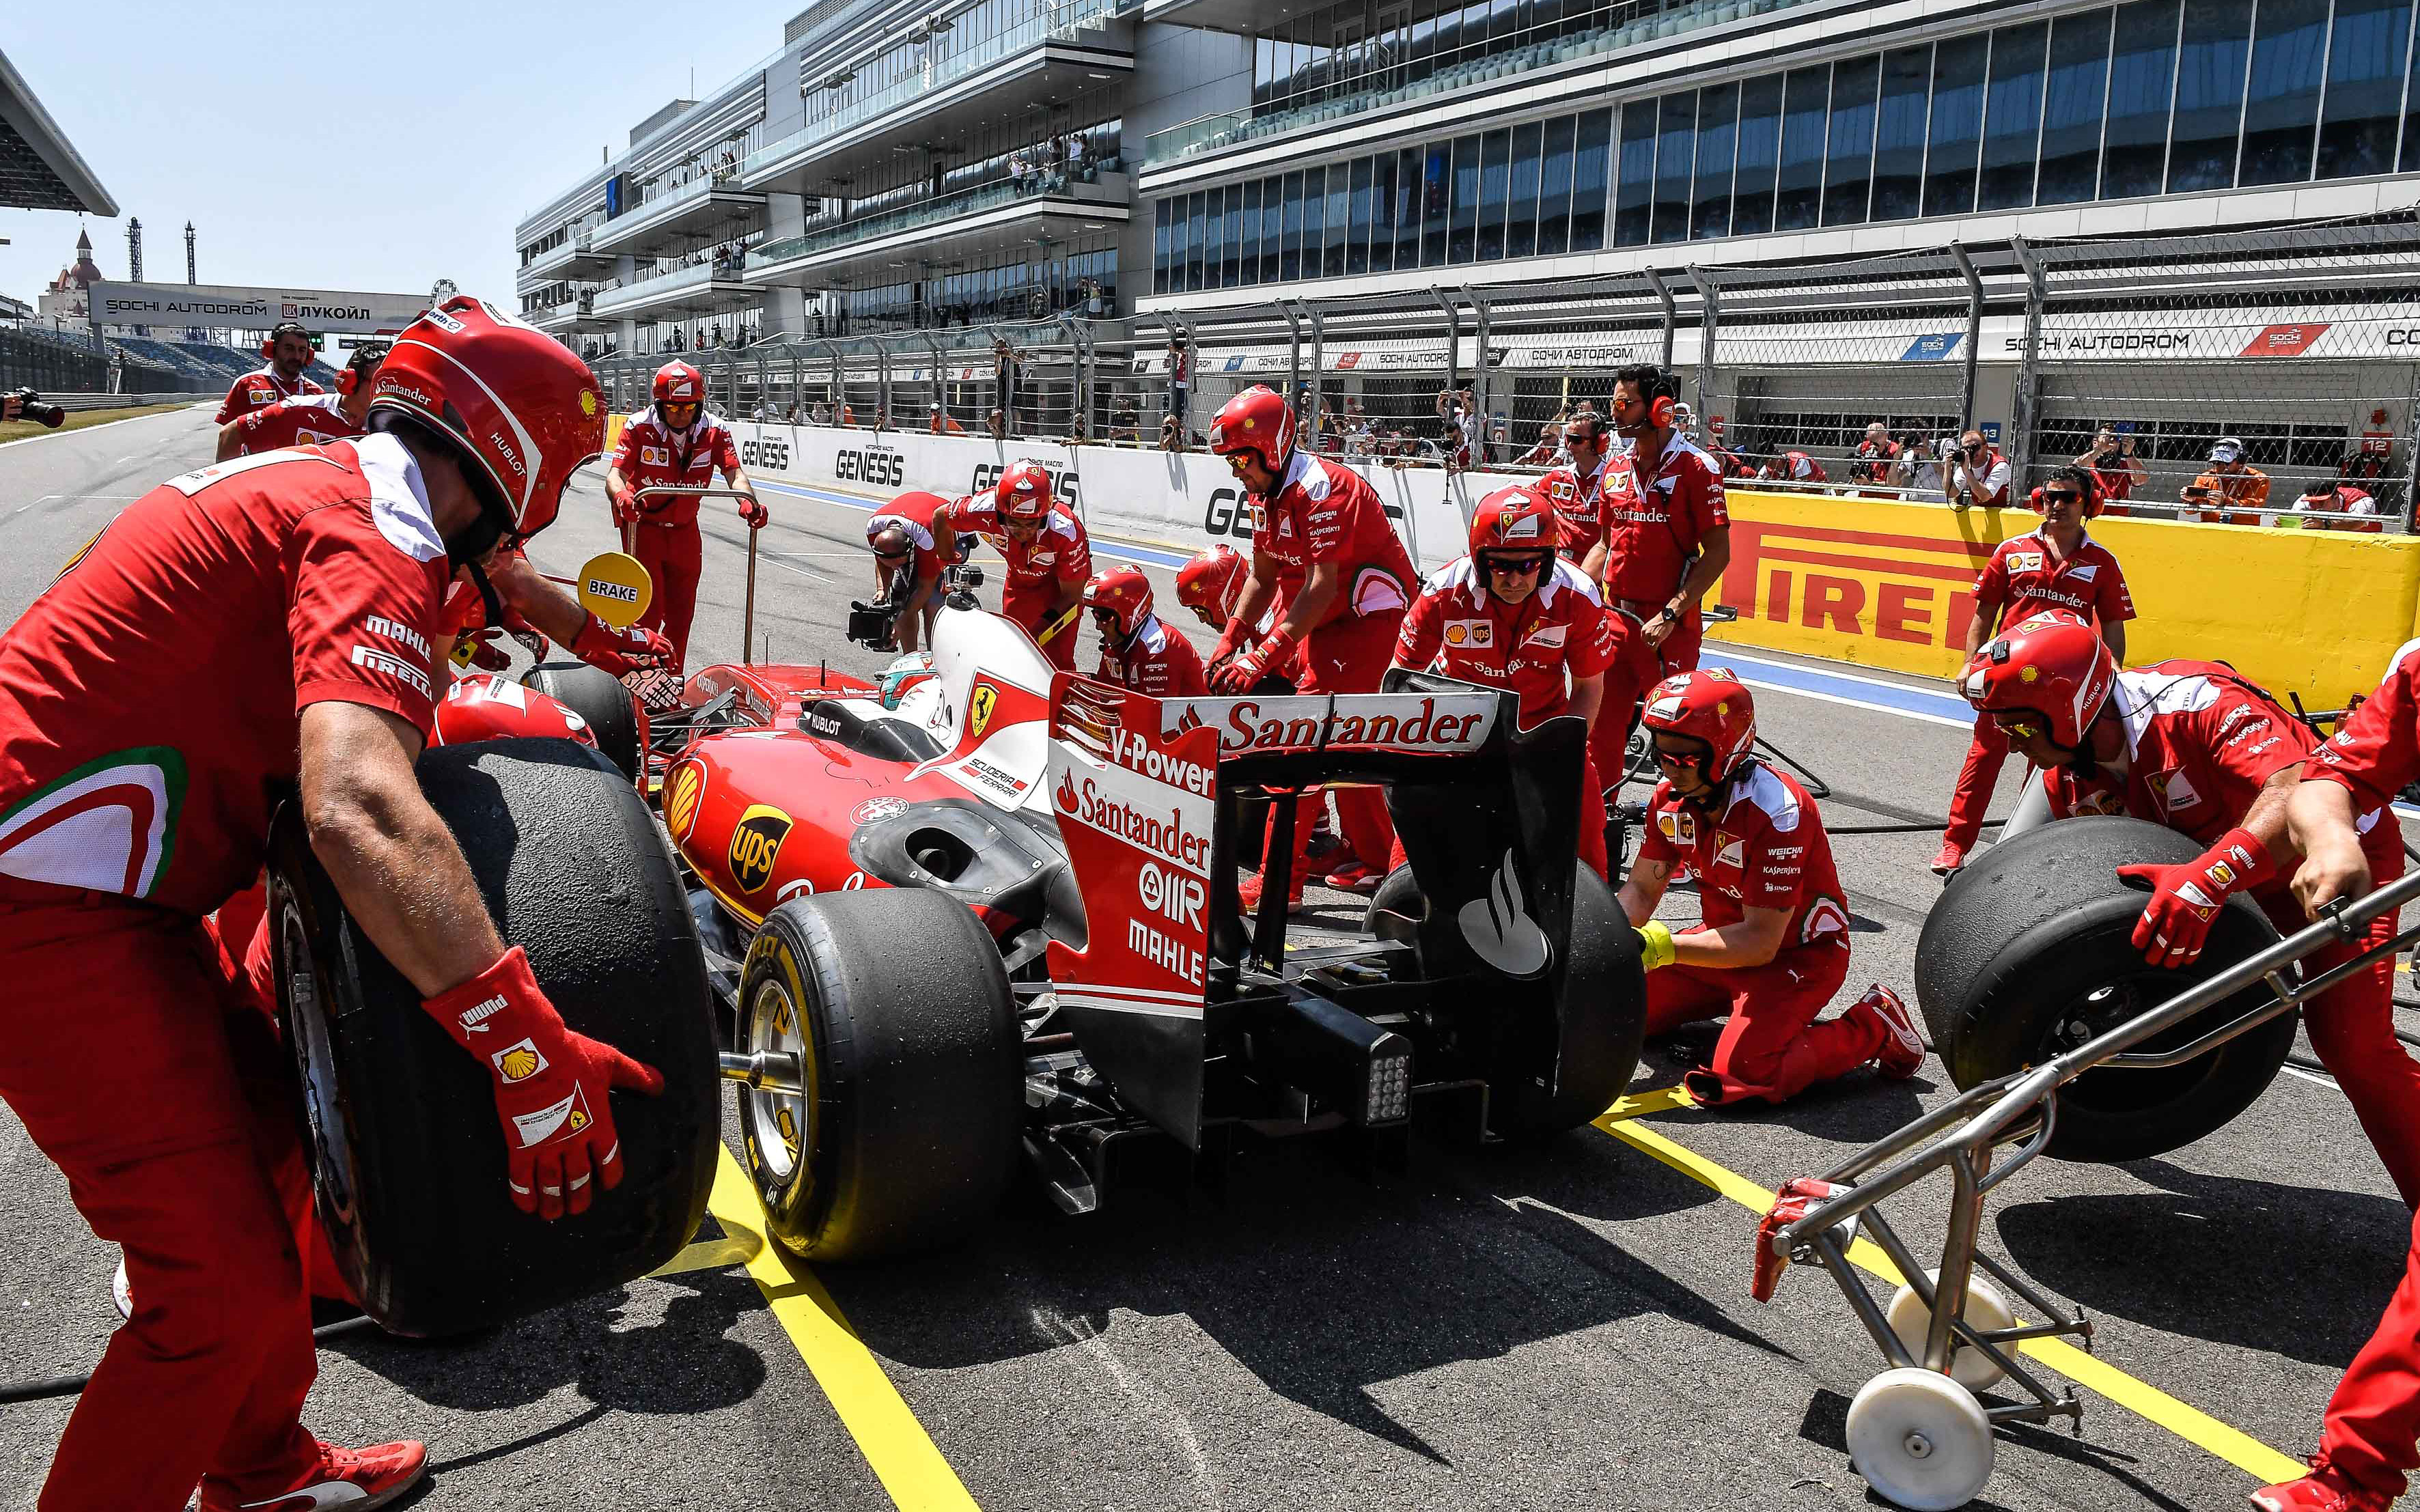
{"x":2105,"y":102}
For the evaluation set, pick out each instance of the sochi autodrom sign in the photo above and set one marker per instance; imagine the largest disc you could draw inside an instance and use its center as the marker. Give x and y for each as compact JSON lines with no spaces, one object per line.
{"x":253,"y":309}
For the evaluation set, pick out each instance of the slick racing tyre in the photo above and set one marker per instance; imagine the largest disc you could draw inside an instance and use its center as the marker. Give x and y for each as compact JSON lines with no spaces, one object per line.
{"x":2030,"y":953}
{"x":598,"y":697}
{"x":902,"y":1131}
{"x":409,"y":1161}
{"x":1604,"y":1015}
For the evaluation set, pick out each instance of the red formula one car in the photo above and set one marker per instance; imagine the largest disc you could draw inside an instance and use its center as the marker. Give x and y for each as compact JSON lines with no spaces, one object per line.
{"x":989,"y":915}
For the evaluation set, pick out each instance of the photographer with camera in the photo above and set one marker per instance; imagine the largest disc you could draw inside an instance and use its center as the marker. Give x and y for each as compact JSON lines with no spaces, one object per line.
{"x":24,"y":404}
{"x":1977,"y":474}
{"x":2114,"y":466}
{"x":908,"y":562}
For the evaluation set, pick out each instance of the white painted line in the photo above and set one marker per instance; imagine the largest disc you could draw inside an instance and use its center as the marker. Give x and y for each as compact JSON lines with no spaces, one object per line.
{"x":2328,"y":1082}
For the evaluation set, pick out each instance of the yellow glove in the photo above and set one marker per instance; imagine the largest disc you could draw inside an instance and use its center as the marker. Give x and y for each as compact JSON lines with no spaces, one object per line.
{"x":1655,"y":944}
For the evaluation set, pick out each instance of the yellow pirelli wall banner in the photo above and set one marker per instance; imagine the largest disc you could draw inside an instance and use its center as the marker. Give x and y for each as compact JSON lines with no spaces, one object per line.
{"x":1891,"y":585}
{"x":613,"y":434}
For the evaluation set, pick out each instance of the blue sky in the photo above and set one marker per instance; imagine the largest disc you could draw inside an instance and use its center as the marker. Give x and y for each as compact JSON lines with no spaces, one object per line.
{"x":348,"y":146}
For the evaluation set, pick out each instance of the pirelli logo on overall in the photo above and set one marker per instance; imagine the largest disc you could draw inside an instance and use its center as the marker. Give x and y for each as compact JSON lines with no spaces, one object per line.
{"x":755,"y":846}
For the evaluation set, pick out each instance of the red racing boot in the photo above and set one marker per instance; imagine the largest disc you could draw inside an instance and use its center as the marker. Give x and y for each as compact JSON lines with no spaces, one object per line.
{"x":1248,"y":895}
{"x":1949,"y":859}
{"x":1903,"y":1049}
{"x":1355,"y":877}
{"x":2323,"y":1490}
{"x":354,"y":1481}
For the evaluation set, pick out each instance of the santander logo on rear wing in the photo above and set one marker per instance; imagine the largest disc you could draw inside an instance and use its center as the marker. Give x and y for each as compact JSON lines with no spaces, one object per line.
{"x":1415,"y":724}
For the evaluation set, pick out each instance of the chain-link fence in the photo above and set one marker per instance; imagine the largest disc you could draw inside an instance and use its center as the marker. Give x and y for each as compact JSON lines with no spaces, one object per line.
{"x":73,"y":363}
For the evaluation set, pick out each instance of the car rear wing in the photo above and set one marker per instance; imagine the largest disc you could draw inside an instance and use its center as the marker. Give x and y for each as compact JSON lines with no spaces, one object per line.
{"x":1150,"y":796}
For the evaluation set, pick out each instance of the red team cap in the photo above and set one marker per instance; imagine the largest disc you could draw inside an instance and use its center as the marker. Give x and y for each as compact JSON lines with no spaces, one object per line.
{"x":1122,"y":591}
{"x":1512,"y":519}
{"x":1023,"y":492}
{"x":1257,"y":420}
{"x":2053,"y":665}
{"x":1710,"y":706}
{"x":514,"y":401}
{"x":678,"y":383}
{"x":1208,"y":584}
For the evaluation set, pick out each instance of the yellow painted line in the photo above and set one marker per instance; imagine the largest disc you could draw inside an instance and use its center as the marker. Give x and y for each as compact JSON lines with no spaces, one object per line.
{"x":736,"y":1248}
{"x":896,"y":1445}
{"x":2185,"y":1420}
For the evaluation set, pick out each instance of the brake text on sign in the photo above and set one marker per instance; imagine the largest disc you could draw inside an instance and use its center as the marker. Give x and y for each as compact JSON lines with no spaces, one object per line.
{"x":599,"y":588}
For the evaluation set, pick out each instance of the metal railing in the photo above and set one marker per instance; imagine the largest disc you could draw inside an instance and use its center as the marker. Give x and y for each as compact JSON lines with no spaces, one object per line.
{"x":1108,"y":187}
{"x":1060,"y":23}
{"x":640,"y":290}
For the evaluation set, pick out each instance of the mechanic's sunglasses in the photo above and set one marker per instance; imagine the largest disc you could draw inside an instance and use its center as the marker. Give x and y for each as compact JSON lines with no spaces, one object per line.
{"x":1516,"y":566}
{"x":2063,"y":496}
{"x":1235,"y":460}
{"x":2020,"y":724}
{"x":1670,"y":756}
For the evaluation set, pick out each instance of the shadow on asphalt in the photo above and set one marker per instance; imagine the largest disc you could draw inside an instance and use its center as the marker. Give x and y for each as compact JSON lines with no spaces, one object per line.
{"x":2252,"y":1248}
{"x":1826,"y":1427}
{"x":1855,"y":1109}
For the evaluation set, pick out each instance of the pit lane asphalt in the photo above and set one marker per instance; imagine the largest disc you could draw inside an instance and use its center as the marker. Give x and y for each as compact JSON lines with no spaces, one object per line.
{"x":1565,"y":1327}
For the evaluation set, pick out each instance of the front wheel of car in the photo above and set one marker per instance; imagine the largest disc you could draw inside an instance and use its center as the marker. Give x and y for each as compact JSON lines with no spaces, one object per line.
{"x":891,"y":1125}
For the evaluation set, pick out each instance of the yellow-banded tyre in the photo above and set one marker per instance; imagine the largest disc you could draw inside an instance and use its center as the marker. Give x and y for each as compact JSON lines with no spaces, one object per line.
{"x":900,"y":1129}
{"x":409,"y":1161}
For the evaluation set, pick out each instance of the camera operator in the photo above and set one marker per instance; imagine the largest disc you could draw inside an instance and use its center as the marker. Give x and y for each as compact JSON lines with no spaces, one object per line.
{"x":2114,"y":466}
{"x":1977,"y":474}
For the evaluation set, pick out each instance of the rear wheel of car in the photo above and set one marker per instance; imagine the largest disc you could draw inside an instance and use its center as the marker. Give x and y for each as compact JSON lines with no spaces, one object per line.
{"x":902,"y":1130}
{"x":409,"y":1161}
{"x":2030,"y":953}
{"x":599,"y":697}
{"x":1604,"y":1018}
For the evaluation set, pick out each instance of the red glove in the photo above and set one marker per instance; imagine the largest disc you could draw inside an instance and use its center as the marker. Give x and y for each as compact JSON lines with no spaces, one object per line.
{"x":1250,"y":667}
{"x":753,"y":512}
{"x":527,"y":634}
{"x":1229,"y":640}
{"x":2186,"y":898}
{"x":625,"y":506}
{"x":551,"y":1086}
{"x":486,"y":654}
{"x":620,"y":651}
{"x":1789,"y":1204}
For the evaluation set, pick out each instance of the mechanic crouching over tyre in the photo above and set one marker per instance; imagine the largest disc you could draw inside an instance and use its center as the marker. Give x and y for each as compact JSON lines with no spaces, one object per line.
{"x":2195,"y":747}
{"x":2372,"y":1439}
{"x":1322,"y":548}
{"x":1514,"y":614}
{"x":130,"y":807}
{"x":1774,"y":944}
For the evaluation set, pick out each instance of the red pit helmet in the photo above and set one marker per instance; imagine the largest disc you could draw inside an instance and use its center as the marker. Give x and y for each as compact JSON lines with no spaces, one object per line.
{"x":521,"y":408}
{"x":1209,"y":583}
{"x":2053,"y":665}
{"x":1258,"y":422}
{"x":1122,"y":591}
{"x":678,"y":383}
{"x":1023,"y":493}
{"x":1517,"y":519}
{"x":490,"y":707}
{"x":1709,"y":704}
{"x":365,"y":365}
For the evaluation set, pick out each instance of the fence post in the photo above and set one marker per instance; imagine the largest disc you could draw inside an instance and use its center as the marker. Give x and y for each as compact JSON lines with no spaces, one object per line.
{"x":1672,"y":315}
{"x":882,"y":417}
{"x":834,"y":389}
{"x":1293,"y":356}
{"x":1452,"y":337}
{"x":1482,"y":387}
{"x":1974,"y":334}
{"x":1710,"y":315}
{"x":1318,"y":363}
{"x":2028,"y":367}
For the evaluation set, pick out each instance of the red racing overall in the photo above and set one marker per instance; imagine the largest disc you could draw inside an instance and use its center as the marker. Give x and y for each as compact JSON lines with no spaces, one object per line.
{"x":1653,"y":531}
{"x":2025,"y":575}
{"x":1156,"y":660}
{"x":1055,"y":566}
{"x":140,"y":753}
{"x":1457,"y":627}
{"x":665,"y":537}
{"x":259,"y":390}
{"x":1327,"y":513}
{"x":306,"y":421}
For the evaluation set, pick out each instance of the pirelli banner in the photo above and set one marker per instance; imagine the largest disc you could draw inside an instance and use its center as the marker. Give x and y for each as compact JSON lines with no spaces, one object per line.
{"x":1862,"y":580}
{"x":1890,"y":585}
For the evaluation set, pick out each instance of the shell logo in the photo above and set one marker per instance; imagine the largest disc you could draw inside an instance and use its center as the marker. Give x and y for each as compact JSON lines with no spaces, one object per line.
{"x":2028,"y":672}
{"x":680,"y":800}
{"x":588,"y":402}
{"x":520,"y":1064}
{"x":1456,"y":635}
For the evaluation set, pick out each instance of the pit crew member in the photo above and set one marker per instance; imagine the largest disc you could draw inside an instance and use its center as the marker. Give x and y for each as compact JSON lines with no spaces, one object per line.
{"x":903,"y":537}
{"x":2056,"y":565}
{"x":1323,"y":551}
{"x":1048,"y":556}
{"x":2193,"y":746}
{"x":2373,"y":1419}
{"x":1209,"y":583}
{"x":1581,"y":489}
{"x":1514,"y":614}
{"x":530,"y":609}
{"x":137,"y":763}
{"x":1665,"y":551}
{"x":308,"y":419}
{"x":286,"y":352}
{"x":1773,"y":946}
{"x":1139,"y":649}
{"x":674,"y":443}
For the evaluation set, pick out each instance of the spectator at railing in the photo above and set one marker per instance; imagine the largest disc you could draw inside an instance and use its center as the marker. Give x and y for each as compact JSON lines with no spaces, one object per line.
{"x":1871,"y":462}
{"x":1125,"y":422}
{"x":1008,"y":375}
{"x":1172,"y":435}
{"x":2230,"y":483}
{"x":1459,"y":410}
{"x":1917,"y":470}
{"x":1180,"y":378}
{"x":2114,"y":466}
{"x":2352,"y":505}
{"x":1793,"y":466}
{"x":1977,"y":475}
{"x":996,"y":423}
{"x":1548,"y":453}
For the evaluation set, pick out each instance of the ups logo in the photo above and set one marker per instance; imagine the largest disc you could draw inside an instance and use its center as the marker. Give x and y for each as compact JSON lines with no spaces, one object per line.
{"x":755,"y":844}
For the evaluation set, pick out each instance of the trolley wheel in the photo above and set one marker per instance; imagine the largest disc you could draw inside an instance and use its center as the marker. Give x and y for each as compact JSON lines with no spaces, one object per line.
{"x":1985,"y":1310}
{"x":1920,"y":1440}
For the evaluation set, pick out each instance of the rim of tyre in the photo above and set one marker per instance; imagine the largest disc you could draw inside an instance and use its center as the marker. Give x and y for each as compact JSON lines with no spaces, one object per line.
{"x":315,"y":1058}
{"x":782,"y":1122}
{"x":2114,"y":1003}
